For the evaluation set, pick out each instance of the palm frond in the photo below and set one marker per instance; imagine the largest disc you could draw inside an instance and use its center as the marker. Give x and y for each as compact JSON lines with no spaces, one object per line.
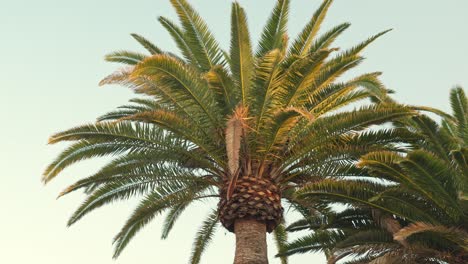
{"x":318,"y":241}
{"x":179,"y":38}
{"x":280,"y":237}
{"x":204,"y":237}
{"x":153,"y":49}
{"x":275,"y":28}
{"x":183,"y":83}
{"x":126,"y":57}
{"x":241,"y":57}
{"x":203,"y":45}
{"x":304,"y":41}
{"x":454,"y":235}
{"x":326,"y":39}
{"x":268,"y":79}
{"x":459,"y":103}
{"x":432,"y":176}
{"x":154,"y":203}
{"x":222,"y":82}
{"x":181,"y":127}
{"x":172,"y":216}
{"x":104,"y":139}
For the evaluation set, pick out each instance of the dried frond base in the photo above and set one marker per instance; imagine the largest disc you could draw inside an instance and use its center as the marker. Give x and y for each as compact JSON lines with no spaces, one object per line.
{"x":252,"y":198}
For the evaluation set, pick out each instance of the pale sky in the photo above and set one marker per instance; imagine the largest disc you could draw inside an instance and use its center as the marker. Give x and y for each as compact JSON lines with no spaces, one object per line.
{"x":52,"y":59}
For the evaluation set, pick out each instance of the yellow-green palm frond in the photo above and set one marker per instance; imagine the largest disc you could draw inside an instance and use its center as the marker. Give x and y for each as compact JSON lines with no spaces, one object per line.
{"x":304,"y":41}
{"x":241,"y":57}
{"x":201,"y":42}
{"x":275,"y":29}
{"x":221,"y":81}
{"x":150,"y":47}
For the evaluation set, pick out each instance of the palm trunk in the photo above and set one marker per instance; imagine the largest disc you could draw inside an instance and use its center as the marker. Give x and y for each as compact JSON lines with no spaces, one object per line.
{"x":251,"y":246}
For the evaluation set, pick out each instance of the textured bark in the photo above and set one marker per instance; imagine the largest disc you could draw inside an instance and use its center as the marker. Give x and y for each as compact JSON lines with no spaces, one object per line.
{"x":251,"y":246}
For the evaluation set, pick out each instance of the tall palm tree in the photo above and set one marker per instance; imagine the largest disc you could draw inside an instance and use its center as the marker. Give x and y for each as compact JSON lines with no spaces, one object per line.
{"x":242,"y":127}
{"x":405,"y":207}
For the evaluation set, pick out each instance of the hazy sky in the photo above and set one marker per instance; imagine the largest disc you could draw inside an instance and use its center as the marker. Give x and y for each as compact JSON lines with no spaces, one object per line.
{"x":50,"y":64}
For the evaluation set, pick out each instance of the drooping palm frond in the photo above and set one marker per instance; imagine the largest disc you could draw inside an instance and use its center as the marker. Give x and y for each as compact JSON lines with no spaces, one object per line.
{"x":453,"y":235}
{"x":281,"y":237}
{"x":204,"y":237}
{"x":154,"y":203}
{"x":170,"y":75}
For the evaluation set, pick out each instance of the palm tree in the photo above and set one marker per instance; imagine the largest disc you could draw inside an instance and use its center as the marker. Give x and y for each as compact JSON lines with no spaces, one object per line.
{"x":242,"y":127}
{"x":405,"y":207}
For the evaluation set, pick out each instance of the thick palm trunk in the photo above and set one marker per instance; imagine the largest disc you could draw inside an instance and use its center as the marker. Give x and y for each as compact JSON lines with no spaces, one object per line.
{"x":251,"y":246}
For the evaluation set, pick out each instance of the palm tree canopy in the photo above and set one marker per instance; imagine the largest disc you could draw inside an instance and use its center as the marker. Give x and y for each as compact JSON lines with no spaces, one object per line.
{"x":408,"y":205}
{"x":209,"y":117}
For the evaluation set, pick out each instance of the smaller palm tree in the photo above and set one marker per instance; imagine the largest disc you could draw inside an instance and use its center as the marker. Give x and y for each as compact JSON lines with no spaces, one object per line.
{"x":410,"y":207}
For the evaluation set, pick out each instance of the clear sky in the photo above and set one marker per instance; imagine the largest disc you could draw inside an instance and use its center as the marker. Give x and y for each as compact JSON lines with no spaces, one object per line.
{"x":50,"y":64}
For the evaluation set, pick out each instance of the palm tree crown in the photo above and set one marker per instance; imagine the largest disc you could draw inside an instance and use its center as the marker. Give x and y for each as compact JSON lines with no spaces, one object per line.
{"x":407,"y":206}
{"x":244,"y":126}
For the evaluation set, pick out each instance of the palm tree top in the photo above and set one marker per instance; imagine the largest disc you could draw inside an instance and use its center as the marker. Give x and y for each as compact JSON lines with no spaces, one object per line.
{"x":212,"y":121}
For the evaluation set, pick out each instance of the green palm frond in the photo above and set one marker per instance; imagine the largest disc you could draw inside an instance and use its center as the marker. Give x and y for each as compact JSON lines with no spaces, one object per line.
{"x":326,"y":39}
{"x":154,"y":204}
{"x":328,"y":73}
{"x":364,"y":237}
{"x":421,"y":172}
{"x":301,"y":75}
{"x":268,"y":80}
{"x":280,"y":237}
{"x":182,"y":127}
{"x":318,"y":241}
{"x":138,"y":105}
{"x":203,"y":45}
{"x":220,"y":80}
{"x":140,"y":182}
{"x":179,"y":38}
{"x":433,"y":176}
{"x":131,"y":167}
{"x":104,"y":139}
{"x":172,"y":216}
{"x":304,"y":140}
{"x":241,"y":57}
{"x":275,"y":29}
{"x":181,"y":83}
{"x":204,"y":237}
{"x":454,"y":235}
{"x":112,"y":192}
{"x":126,"y":57}
{"x":459,"y":103}
{"x":347,"y":191}
{"x":153,"y":49}
{"x":304,"y":41}
{"x":434,"y":140}
{"x":354,"y":51}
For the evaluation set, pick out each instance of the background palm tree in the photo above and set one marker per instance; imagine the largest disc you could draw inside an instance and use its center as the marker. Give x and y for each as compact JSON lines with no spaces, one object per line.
{"x":410,"y":207}
{"x":243,"y":127}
